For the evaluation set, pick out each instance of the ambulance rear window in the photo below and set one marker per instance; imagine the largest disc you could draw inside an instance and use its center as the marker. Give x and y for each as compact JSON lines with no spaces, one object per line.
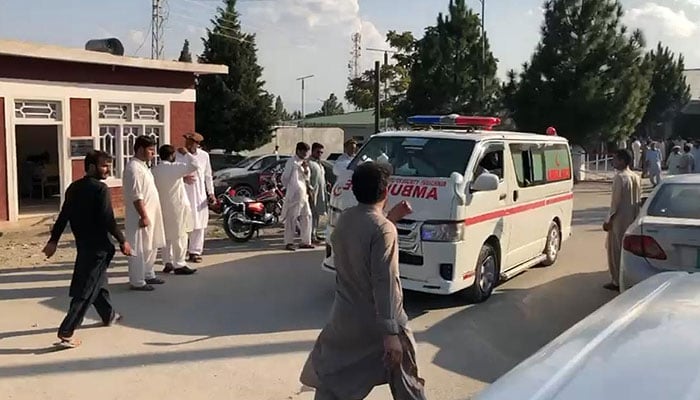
{"x":418,"y":156}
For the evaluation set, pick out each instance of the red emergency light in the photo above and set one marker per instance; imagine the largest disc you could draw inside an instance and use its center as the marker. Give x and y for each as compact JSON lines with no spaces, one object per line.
{"x":485,"y":123}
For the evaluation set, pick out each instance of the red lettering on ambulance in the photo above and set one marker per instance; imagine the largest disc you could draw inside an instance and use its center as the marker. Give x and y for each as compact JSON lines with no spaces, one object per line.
{"x":419,"y":191}
{"x":432,"y":194}
{"x":407,"y":191}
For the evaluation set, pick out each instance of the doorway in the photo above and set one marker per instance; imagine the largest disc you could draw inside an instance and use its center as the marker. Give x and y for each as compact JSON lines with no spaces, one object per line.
{"x":38,"y":169}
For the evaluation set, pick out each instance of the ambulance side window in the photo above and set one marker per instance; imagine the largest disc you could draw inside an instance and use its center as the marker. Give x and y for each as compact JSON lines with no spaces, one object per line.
{"x":529,"y":164}
{"x":491,"y":161}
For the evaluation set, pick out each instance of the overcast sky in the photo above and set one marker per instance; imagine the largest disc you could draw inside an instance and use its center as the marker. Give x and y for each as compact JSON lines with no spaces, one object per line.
{"x":301,"y":37}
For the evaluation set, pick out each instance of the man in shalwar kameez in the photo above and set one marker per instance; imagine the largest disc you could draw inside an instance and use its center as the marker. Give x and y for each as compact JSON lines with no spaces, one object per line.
{"x":296,"y":207}
{"x":624,"y":208}
{"x":177,"y":213}
{"x":144,"y":218}
{"x":200,"y":192}
{"x":319,"y":202}
{"x":367,"y":342}
{"x":88,"y":209}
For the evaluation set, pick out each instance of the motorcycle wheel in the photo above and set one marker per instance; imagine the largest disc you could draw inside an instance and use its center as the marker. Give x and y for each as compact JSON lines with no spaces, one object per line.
{"x":237,"y":231}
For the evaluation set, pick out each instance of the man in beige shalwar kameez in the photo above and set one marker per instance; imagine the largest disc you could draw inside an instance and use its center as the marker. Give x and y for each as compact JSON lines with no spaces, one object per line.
{"x":624,"y":208}
{"x":367,"y":342}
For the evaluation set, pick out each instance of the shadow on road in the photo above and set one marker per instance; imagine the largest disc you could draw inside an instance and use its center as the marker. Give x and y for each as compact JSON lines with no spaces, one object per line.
{"x":590,"y":216}
{"x":279,"y":292}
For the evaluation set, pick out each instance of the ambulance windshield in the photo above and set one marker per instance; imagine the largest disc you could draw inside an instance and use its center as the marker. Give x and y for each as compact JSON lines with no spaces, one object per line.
{"x":418,"y":156}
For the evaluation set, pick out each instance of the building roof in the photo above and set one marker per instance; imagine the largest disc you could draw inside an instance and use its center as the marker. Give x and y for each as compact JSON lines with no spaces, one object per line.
{"x":351,"y":119}
{"x":692,"y":78}
{"x":58,"y":53}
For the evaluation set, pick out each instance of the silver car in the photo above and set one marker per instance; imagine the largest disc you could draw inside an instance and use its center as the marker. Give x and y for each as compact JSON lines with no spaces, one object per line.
{"x":666,"y":235}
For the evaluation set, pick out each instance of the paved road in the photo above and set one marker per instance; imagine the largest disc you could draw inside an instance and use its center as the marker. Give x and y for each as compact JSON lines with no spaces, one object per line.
{"x":242,"y":327}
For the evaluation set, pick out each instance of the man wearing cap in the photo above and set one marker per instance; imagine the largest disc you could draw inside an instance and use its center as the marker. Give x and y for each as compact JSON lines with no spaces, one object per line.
{"x":200,"y":191}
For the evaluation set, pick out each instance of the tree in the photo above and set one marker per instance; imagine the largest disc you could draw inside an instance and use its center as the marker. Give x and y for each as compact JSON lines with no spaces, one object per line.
{"x":449,"y":69}
{"x":396,"y":76}
{"x":185,"y":55}
{"x":233,"y":110}
{"x":669,"y":90}
{"x":587,"y":76}
{"x":332,"y":106}
{"x":281,"y":113}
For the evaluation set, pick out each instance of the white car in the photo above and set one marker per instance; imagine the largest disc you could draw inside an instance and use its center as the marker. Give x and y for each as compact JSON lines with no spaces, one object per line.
{"x":642,"y":345}
{"x":666,"y":235}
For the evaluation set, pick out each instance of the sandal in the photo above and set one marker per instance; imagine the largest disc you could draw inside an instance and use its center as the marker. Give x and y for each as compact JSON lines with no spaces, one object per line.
{"x":68,"y":343}
{"x":116,"y":318}
{"x":144,"y":288}
{"x":290,"y":247}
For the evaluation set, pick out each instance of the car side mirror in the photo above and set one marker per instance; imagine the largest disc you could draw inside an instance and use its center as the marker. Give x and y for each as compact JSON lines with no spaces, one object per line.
{"x":485,"y":182}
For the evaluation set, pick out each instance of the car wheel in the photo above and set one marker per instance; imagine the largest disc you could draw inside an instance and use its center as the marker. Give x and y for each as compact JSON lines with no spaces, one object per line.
{"x":244,"y":191}
{"x":551,"y":249}
{"x":485,"y":275}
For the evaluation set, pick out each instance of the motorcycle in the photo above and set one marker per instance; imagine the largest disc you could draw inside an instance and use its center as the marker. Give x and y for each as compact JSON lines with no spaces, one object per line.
{"x":243,"y":216}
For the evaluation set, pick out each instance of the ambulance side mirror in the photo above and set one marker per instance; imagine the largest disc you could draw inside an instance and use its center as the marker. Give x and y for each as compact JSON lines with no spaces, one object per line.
{"x":485,"y":182}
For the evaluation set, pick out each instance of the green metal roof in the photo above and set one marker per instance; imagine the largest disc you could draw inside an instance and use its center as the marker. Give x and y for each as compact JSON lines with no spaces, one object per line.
{"x":351,"y":119}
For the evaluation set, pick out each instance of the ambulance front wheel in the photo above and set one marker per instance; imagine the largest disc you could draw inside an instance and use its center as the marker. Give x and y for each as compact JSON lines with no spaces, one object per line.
{"x":485,"y":275}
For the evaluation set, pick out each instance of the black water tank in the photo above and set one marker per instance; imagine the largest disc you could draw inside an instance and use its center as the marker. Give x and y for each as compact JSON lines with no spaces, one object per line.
{"x":111,"y":46}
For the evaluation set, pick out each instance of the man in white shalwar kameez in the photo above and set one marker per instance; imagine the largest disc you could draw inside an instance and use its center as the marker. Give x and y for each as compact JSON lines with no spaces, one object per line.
{"x":637,"y":153}
{"x":296,"y":208}
{"x":144,"y":219}
{"x":341,"y":164}
{"x":200,"y":191}
{"x":177,"y":212}
{"x":319,"y":200}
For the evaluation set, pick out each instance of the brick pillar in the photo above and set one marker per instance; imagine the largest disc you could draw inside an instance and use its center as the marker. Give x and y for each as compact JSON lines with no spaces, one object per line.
{"x":181,"y":121}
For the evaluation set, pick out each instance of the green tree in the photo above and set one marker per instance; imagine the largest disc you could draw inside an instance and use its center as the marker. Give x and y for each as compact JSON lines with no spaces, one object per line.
{"x":669,"y":90}
{"x":587,"y":77}
{"x":448,"y":69}
{"x":233,"y":110}
{"x":332,"y":106}
{"x":185,"y":55}
{"x":395,"y":75}
{"x":281,"y":113}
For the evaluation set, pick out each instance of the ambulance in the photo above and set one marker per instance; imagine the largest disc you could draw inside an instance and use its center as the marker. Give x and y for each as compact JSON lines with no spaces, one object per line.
{"x":487,"y":204}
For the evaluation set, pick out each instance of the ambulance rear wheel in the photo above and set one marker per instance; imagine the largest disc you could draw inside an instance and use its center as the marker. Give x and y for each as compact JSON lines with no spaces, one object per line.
{"x":485,"y":275}
{"x":551,"y":250}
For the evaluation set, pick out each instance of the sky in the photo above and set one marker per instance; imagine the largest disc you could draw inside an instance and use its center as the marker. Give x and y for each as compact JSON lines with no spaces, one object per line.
{"x":304,"y":37}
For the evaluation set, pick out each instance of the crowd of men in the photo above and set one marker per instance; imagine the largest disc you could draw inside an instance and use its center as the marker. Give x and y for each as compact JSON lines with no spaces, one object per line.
{"x":676,"y":156}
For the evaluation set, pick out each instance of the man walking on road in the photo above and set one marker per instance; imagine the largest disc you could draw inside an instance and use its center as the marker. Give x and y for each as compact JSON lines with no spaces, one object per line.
{"x":653,"y":162}
{"x":144,"y":218}
{"x":624,"y":208}
{"x":88,"y":208}
{"x":296,"y":205}
{"x":367,"y":342}
{"x":200,"y":191}
{"x":319,"y":202}
{"x":177,"y":213}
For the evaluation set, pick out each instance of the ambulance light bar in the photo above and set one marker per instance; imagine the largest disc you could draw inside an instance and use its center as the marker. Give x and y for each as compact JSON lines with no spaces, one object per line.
{"x":486,"y":123}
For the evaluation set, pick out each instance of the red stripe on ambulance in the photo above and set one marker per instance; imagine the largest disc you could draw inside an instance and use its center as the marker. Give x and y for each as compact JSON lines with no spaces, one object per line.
{"x":517,"y":209}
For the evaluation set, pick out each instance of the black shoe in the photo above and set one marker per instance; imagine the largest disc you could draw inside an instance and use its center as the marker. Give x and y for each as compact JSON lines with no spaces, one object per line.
{"x":144,"y":288}
{"x":155,"y":281}
{"x":185,"y":271}
{"x":168,"y":268}
{"x":611,"y":286}
{"x":290,"y":247}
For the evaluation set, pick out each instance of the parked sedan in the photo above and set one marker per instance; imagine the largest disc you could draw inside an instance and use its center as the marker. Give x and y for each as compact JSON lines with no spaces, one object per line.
{"x":666,"y":235}
{"x":247,"y":183}
{"x":245,"y":173}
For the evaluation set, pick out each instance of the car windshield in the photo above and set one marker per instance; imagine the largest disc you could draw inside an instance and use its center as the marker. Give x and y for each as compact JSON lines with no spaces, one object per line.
{"x":418,"y":156}
{"x":676,"y":201}
{"x":246,"y":162}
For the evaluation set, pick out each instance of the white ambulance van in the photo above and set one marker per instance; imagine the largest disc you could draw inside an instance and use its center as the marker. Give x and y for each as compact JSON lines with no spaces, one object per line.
{"x":486,"y":204}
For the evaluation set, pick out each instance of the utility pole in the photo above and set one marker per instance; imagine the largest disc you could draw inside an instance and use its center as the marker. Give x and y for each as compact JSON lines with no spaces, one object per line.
{"x":386,"y":63}
{"x":483,"y":48}
{"x":303,"y":114}
{"x":157,"y":31}
{"x":377,"y":96}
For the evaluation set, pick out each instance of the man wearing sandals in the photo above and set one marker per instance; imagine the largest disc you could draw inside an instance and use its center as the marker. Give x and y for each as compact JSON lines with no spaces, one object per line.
{"x":144,"y":218}
{"x":88,"y":208}
{"x":296,"y":207}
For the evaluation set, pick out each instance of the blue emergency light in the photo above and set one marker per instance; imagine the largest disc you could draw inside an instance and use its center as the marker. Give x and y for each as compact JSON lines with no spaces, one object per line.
{"x":486,"y":123}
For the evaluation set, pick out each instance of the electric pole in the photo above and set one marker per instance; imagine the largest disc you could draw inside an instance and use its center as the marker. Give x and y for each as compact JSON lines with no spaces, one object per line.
{"x":377,"y":98}
{"x":386,"y":64}
{"x":483,"y":48}
{"x":303,"y":114}
{"x":157,"y":31}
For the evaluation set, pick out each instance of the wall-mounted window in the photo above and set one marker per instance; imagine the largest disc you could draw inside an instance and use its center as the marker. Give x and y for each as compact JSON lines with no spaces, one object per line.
{"x":33,"y":109}
{"x":122,"y":123}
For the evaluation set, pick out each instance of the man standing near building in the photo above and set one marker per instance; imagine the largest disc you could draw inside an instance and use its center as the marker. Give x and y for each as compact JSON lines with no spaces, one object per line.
{"x":177,"y":212}
{"x":674,"y":161}
{"x":200,"y":191}
{"x":319,"y":202}
{"x":144,"y":219}
{"x":296,"y":207}
{"x":88,"y":208}
{"x":637,"y":153}
{"x":367,"y":341}
{"x":653,"y":159}
{"x":624,"y":208}
{"x":343,"y":161}
{"x":687,"y":163}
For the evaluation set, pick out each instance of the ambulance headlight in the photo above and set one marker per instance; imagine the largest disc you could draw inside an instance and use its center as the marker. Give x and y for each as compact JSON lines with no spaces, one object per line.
{"x":333,"y":215}
{"x":445,"y":232}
